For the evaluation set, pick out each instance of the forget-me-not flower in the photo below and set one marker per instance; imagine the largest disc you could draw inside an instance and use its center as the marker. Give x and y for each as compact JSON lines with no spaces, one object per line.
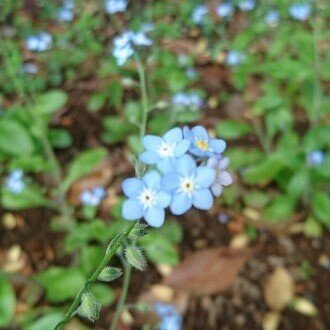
{"x":201,"y":145}
{"x":92,"y":197}
{"x":223,"y":178}
{"x":315,"y":158}
{"x":187,"y":100}
{"x":29,"y":68}
{"x":162,"y":150}
{"x":15,"y":183}
{"x":234,"y":57}
{"x":39,"y":42}
{"x":170,"y":317}
{"x":189,"y":185}
{"x":140,"y":39}
{"x":300,"y":11}
{"x":272,"y":17}
{"x":115,"y":6}
{"x":246,"y":5}
{"x":199,"y":13}
{"x":146,"y":199}
{"x":225,"y":9}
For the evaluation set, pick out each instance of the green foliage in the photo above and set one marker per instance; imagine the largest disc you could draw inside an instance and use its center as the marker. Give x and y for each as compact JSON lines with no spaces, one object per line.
{"x":7,"y":302}
{"x":135,"y":257}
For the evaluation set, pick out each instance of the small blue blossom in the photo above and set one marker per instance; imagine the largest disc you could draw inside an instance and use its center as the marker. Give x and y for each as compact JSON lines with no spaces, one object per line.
{"x":146,"y":199}
{"x":223,"y":218}
{"x":92,"y":197}
{"x":234,"y":58}
{"x":39,"y":42}
{"x":191,"y":73}
{"x":246,"y":5}
{"x":223,"y":178}
{"x":225,"y":9}
{"x":272,"y":17}
{"x":199,"y":13}
{"x":187,"y":100}
{"x":163,"y":150}
{"x":140,"y":39}
{"x":15,"y":183}
{"x":315,"y":158}
{"x":115,"y":6}
{"x":29,"y":68}
{"x":189,"y":185}
{"x":201,"y":145}
{"x":170,"y":317}
{"x":300,"y":11}
{"x":147,"y":27}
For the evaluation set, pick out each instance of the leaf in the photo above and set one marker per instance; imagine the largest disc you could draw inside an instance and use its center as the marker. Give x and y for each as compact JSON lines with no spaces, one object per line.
{"x":60,"y":138}
{"x":116,"y":129}
{"x":304,"y":306}
{"x":15,"y":140}
{"x":231,"y":129}
{"x":89,"y":258}
{"x":83,"y":164}
{"x":135,"y":257}
{"x":89,"y":306}
{"x":31,"y":196}
{"x":241,"y":157}
{"x":298,"y":184}
{"x":109,"y":274}
{"x":321,"y":208}
{"x":7,"y":302}
{"x":280,"y":208}
{"x":279,"y":289}
{"x":115,"y":93}
{"x":96,"y":101}
{"x":49,"y":102}
{"x":47,"y":321}
{"x":208,"y":271}
{"x":61,"y":283}
{"x":312,"y":228}
{"x":103,"y":293}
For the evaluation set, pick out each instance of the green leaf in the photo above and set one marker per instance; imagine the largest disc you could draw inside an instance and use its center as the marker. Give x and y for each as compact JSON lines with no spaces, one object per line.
{"x":89,"y":258}
{"x":103,"y":294}
{"x":256,"y":199}
{"x":47,"y":321}
{"x":7,"y":302}
{"x":132,"y":112}
{"x":89,"y":306}
{"x":312,"y":228}
{"x":109,"y":274}
{"x":61,"y":283}
{"x":135,"y":257}
{"x":31,"y":196}
{"x":15,"y":140}
{"x":116,"y":129}
{"x":321,"y":208}
{"x":60,"y":138}
{"x":33,"y":163}
{"x":171,"y":230}
{"x":83,"y":164}
{"x":241,"y":157}
{"x":115,"y":93}
{"x":263,"y":172}
{"x":298,"y":184}
{"x":280,"y":208}
{"x":231,"y":129}
{"x":96,"y":101}
{"x":49,"y":102}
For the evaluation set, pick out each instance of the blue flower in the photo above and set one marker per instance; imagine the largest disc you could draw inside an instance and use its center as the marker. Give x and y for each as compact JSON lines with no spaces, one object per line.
{"x":247,"y":5}
{"x":140,"y":39}
{"x":170,"y":317}
{"x":223,"y":178}
{"x":187,"y":100}
{"x":162,"y":150}
{"x":146,"y":199}
{"x":115,"y":6}
{"x":272,"y":17}
{"x":92,"y":197}
{"x":223,"y":218}
{"x":199,"y":13}
{"x":39,"y":42}
{"x":65,"y":14}
{"x":189,"y":185}
{"x":201,"y":145}
{"x":191,"y":73}
{"x":29,"y":68}
{"x":234,"y":57}
{"x":225,"y":9}
{"x":300,"y":11}
{"x":15,"y":183}
{"x":315,"y":158}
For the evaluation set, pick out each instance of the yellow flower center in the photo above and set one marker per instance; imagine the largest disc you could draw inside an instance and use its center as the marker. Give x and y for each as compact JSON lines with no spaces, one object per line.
{"x":203,"y":145}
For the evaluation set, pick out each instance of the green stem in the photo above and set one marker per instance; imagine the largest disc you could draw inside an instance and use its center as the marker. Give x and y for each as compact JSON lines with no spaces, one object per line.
{"x":113,"y":247}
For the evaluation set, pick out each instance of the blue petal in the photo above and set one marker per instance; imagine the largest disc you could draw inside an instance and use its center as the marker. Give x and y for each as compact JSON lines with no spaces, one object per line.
{"x":217,"y":145}
{"x":181,"y":203}
{"x":187,"y":133}
{"x":152,"y":142}
{"x":181,"y":148}
{"x":200,"y":133}
{"x":166,"y":165}
{"x":132,"y":210}
{"x":173,"y":136}
{"x":205,"y":176}
{"x":132,"y":187}
{"x":170,"y":182}
{"x":186,"y":165}
{"x":149,"y":157}
{"x":163,"y":199}
{"x":152,"y":180}
{"x":197,"y":152}
{"x":202,"y":199}
{"x":155,"y":216}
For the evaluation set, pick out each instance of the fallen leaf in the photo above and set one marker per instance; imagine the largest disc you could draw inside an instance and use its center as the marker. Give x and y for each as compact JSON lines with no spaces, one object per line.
{"x":208,"y":271}
{"x":279,"y":289}
{"x":271,"y":321}
{"x":304,"y":306}
{"x":239,"y":241}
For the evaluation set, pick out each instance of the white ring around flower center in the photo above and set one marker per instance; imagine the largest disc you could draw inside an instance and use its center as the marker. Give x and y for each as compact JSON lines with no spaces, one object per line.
{"x":187,"y":185}
{"x":166,"y":150}
{"x":148,"y":198}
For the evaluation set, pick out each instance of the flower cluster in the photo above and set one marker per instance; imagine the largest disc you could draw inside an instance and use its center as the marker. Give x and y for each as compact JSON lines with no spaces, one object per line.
{"x":92,"y":197}
{"x":188,"y":168}
{"x":315,"y":158}
{"x":115,"y":6}
{"x":170,"y":317}
{"x":234,"y":57}
{"x":199,"y":14}
{"x":124,"y":45}
{"x":300,"y":11}
{"x":246,"y":5}
{"x":272,"y":17}
{"x":39,"y":42}
{"x":15,"y":183}
{"x":187,"y":100}
{"x":225,"y":9}
{"x":65,"y":13}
